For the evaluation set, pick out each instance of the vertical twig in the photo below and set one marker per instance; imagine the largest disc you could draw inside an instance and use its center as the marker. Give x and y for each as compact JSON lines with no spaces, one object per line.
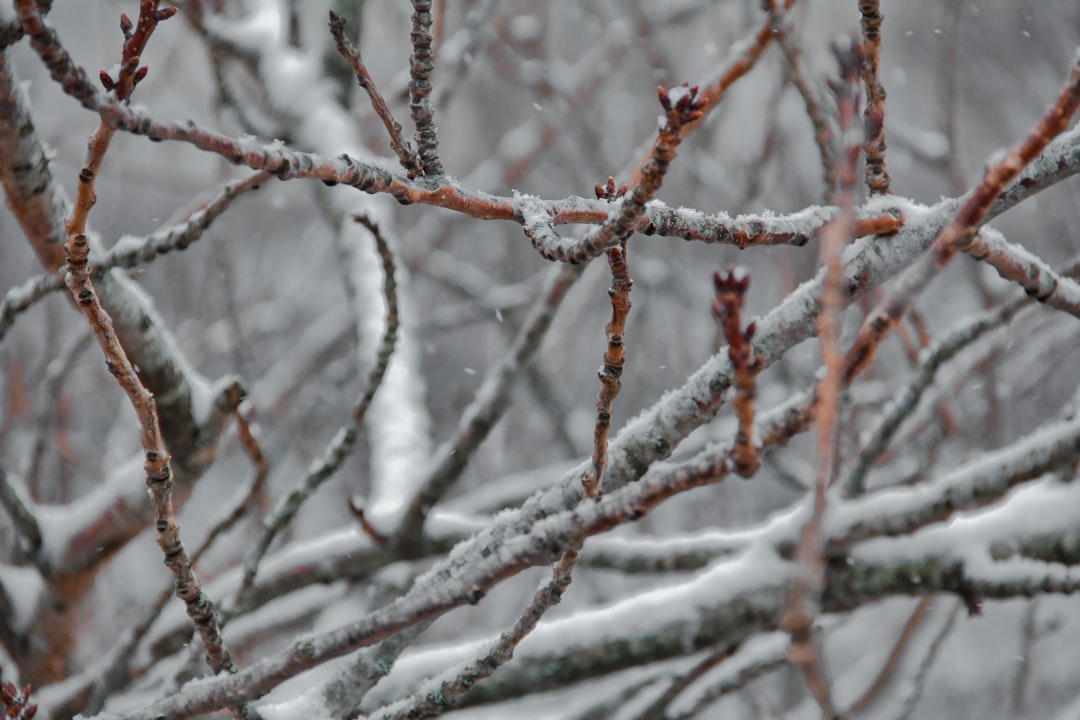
{"x":421,"y":65}
{"x":115,"y":674}
{"x":877,"y":177}
{"x":438,"y":13}
{"x":804,"y":598}
{"x":614,"y":357}
{"x":751,"y":50}
{"x":727,"y":308}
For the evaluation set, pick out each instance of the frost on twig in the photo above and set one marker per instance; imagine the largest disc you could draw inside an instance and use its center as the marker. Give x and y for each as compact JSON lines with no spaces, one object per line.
{"x":682,"y":107}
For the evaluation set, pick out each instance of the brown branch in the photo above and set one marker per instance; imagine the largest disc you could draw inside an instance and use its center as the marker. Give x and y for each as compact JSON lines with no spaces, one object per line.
{"x":157,"y":468}
{"x":959,"y":234}
{"x":614,"y":357}
{"x":400,"y":146}
{"x":877,"y":177}
{"x":727,"y":308}
{"x":357,"y":510}
{"x":421,"y":65}
{"x":114,"y":674}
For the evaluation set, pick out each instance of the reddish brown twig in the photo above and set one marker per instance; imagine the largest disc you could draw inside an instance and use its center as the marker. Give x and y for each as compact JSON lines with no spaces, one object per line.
{"x":804,"y":599}
{"x":438,"y":14}
{"x":135,"y":37}
{"x":713,"y":92}
{"x":357,"y":510}
{"x":129,"y":75}
{"x":727,"y":308}
{"x":682,"y":106}
{"x":614,"y":356}
{"x":400,"y":146}
{"x":421,"y":65}
{"x":159,"y":479}
{"x":877,"y":177}
{"x":157,"y":468}
{"x":959,"y":234}
{"x":895,"y":656}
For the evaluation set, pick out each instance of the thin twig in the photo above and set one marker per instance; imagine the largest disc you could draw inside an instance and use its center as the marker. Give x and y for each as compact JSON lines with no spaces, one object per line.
{"x":923,"y":673}
{"x":727,"y":308}
{"x":907,"y":398}
{"x":47,"y":435}
{"x":339,"y":447}
{"x":115,"y":673}
{"x":430,"y":702}
{"x":157,"y":467}
{"x":804,"y":600}
{"x":877,"y":177}
{"x":750,"y":50}
{"x":421,"y":65}
{"x":492,"y":400}
{"x":400,"y":146}
{"x":895,"y":656}
{"x":614,"y":356}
